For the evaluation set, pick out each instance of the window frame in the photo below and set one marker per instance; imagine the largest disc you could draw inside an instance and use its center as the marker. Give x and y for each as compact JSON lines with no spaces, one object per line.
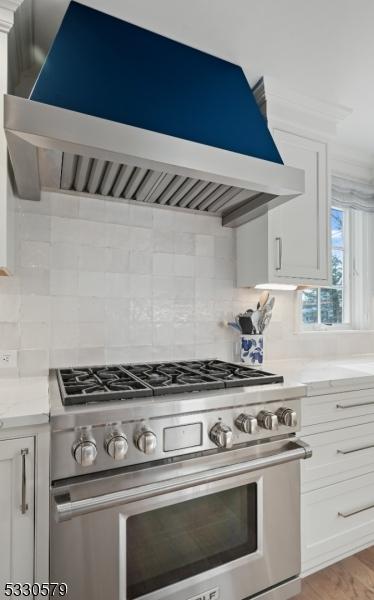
{"x":347,"y":287}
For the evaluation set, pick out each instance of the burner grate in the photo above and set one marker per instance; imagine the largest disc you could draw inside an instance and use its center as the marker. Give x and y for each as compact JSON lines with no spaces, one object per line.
{"x":120,"y":382}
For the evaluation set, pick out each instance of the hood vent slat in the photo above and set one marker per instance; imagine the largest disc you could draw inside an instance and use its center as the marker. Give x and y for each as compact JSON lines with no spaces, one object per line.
{"x":90,"y":155}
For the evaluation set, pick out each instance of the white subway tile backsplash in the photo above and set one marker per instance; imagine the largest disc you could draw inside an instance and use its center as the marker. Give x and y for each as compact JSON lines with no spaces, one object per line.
{"x":91,"y":335}
{"x":65,"y":205}
{"x":224,"y":247}
{"x":91,"y":233}
{"x":163,"y":219}
{"x":163,"y":241}
{"x":140,"y":216}
{"x":10,"y":308}
{"x":92,"y":283}
{"x":91,"y":356}
{"x":34,"y":280}
{"x":204,"y":266}
{"x":115,"y":285}
{"x":64,"y":282}
{"x":90,"y":309}
{"x":34,"y":308}
{"x":34,"y":335}
{"x":64,"y":309}
{"x":141,"y":239}
{"x":10,"y":335}
{"x":184,"y":266}
{"x":63,"y":357}
{"x":140,"y":262}
{"x":164,"y":286}
{"x":162,"y":263}
{"x":34,"y":227}
{"x":184,"y":243}
{"x":64,"y":255}
{"x":64,"y":335}
{"x":92,"y":258}
{"x":117,"y":212}
{"x":64,"y":230}
{"x":140,"y":286}
{"x":117,"y":334}
{"x":204,"y":245}
{"x":33,"y":362}
{"x":163,"y":334}
{"x":102,"y":280}
{"x":92,"y":209}
{"x":117,"y":236}
{"x":117,"y":260}
{"x":34,"y":254}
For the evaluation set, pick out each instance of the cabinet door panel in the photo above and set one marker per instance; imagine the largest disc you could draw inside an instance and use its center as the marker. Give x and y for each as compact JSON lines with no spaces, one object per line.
{"x":299,"y":227}
{"x":16,"y":527}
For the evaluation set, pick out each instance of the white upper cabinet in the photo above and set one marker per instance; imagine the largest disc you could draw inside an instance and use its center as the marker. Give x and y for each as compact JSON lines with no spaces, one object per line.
{"x":298,"y":228}
{"x":290,"y":244}
{"x":16,"y":511}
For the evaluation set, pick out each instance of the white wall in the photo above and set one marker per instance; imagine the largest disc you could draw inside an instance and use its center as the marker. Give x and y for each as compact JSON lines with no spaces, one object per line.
{"x":99,"y":281}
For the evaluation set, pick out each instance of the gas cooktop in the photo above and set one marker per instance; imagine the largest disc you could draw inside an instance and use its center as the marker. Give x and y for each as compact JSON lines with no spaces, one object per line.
{"x":80,"y":385}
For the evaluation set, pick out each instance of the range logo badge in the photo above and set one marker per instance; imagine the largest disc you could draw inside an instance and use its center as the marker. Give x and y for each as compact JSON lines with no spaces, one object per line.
{"x":211,"y":595}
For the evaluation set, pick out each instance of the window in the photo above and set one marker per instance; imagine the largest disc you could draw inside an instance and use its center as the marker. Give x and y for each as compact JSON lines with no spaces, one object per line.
{"x":330,"y":305}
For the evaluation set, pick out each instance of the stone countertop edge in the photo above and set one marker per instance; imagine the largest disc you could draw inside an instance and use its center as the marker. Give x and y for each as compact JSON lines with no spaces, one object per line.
{"x":24,"y":401}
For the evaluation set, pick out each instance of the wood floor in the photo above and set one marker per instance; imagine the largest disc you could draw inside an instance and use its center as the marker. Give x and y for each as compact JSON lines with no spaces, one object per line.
{"x":349,"y":579}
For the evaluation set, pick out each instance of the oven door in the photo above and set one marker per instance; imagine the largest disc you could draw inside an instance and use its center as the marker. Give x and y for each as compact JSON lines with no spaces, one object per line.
{"x":181,"y":531}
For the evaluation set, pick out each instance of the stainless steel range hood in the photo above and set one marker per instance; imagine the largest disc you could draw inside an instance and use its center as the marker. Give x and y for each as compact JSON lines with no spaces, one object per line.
{"x":59,"y":149}
{"x":122,"y":112}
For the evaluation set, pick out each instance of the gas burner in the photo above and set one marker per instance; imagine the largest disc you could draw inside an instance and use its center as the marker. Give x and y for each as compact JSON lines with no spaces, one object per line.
{"x":122,"y":382}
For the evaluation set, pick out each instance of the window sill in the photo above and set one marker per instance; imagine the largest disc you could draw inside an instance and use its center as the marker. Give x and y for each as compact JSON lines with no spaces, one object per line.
{"x":332,"y":330}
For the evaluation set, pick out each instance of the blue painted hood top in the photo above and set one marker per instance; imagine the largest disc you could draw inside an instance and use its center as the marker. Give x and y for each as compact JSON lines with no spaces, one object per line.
{"x":108,"y":68}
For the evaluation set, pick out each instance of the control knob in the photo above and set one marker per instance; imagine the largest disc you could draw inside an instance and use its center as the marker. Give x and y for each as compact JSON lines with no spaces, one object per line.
{"x":246,"y":423}
{"x":85,"y":451}
{"x":146,"y":441}
{"x":116,"y":445}
{"x":221,"y":435}
{"x":267,"y":420}
{"x":287,"y":416}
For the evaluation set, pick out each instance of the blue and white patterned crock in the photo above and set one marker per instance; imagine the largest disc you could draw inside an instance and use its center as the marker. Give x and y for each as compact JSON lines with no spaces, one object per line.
{"x":252,"y":349}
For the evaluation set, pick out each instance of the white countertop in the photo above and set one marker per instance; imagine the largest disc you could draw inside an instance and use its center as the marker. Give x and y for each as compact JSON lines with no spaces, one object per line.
{"x":23,"y":401}
{"x":327,"y":376}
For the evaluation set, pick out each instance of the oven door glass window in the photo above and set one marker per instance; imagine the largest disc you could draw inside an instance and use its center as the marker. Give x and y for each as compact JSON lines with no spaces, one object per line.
{"x":173,"y":543}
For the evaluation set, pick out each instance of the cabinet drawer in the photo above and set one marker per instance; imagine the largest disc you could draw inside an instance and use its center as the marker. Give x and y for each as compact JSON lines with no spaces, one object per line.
{"x":336,"y":518}
{"x":338,"y":455}
{"x":324,"y":411}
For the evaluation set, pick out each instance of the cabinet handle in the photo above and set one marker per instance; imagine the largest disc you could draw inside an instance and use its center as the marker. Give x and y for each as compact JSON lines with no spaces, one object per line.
{"x":355,"y":449}
{"x":354,"y":405}
{"x":279,"y":253}
{"x":350,"y":513}
{"x":24,"y":505}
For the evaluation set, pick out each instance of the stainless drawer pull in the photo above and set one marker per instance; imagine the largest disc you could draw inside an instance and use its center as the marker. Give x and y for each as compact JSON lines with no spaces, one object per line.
{"x":66,"y":508}
{"x":24,"y":505}
{"x":279,"y":253}
{"x":355,"y":405}
{"x":351,"y":450}
{"x":350,"y":513}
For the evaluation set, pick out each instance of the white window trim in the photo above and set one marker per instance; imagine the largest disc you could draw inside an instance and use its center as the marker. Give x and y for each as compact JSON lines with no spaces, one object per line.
{"x":355,"y":315}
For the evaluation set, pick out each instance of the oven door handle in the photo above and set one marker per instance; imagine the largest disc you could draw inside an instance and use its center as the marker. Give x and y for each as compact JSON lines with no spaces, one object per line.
{"x":66,"y":508}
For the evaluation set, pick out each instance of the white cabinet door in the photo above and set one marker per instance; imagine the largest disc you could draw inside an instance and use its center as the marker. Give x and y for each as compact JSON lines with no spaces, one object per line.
{"x":298,"y":229}
{"x":16,"y":511}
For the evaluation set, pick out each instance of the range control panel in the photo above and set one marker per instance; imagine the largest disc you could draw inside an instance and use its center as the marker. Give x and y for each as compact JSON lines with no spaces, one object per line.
{"x":95,"y":448}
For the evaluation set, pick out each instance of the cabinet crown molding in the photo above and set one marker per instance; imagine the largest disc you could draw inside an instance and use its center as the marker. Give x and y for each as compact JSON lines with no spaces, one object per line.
{"x":7,"y":10}
{"x":283,"y":105}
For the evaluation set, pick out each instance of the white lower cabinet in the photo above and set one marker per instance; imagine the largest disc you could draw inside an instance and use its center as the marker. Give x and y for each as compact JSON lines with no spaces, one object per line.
{"x":337,"y":501}
{"x":16,"y":511}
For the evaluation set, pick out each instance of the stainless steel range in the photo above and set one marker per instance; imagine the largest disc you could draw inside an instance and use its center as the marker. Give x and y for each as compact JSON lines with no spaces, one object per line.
{"x":175,"y":481}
